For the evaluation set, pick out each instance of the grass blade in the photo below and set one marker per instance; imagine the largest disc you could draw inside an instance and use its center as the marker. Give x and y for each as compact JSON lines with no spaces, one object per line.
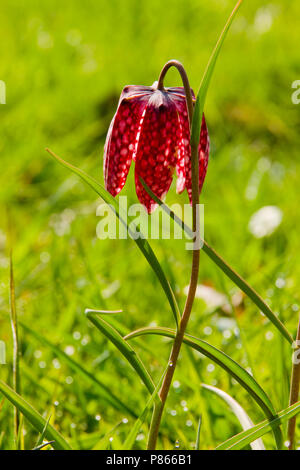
{"x":16,"y":351}
{"x":37,"y":421}
{"x":104,"y":391}
{"x":201,"y":96}
{"x":41,"y":437}
{"x":224,"y":266}
{"x":228,"y":364}
{"x":241,"y":440}
{"x":142,"y":243}
{"x":128,"y":352}
{"x":197,"y":445}
{"x":102,"y":312}
{"x":41,"y":446}
{"x":239,"y":412}
{"x":128,"y":444}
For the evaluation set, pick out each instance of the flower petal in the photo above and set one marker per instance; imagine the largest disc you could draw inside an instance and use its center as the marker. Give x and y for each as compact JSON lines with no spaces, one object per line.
{"x":184,"y":149}
{"x":203,"y":152}
{"x":184,"y":176}
{"x":157,"y":148}
{"x":179,"y":91}
{"x":203,"y":155}
{"x":120,"y":145}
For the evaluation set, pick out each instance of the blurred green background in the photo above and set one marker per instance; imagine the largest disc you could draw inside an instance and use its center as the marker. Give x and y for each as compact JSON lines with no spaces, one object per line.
{"x":64,"y":65}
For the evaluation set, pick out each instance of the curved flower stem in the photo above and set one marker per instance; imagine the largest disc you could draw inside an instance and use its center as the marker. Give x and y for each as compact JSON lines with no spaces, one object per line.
{"x":163,"y":394}
{"x":294,"y":391}
{"x":188,"y":94}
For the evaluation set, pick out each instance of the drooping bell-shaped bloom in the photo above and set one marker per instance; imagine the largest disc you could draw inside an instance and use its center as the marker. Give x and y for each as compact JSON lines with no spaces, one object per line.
{"x":151,"y":127}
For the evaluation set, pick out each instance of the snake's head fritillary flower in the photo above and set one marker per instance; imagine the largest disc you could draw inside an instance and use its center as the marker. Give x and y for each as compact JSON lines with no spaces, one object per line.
{"x":151,"y":127}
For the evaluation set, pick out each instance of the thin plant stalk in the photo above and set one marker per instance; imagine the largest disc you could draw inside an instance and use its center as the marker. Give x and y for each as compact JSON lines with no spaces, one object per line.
{"x":16,"y":353}
{"x":227,"y":269}
{"x":294,"y":390}
{"x":163,"y":394}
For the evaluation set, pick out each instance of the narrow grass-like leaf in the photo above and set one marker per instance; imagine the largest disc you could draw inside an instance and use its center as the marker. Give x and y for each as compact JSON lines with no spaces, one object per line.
{"x":42,"y":435}
{"x":224,"y":266}
{"x":197,"y":445}
{"x":248,"y":290}
{"x":128,"y":444}
{"x":92,"y":311}
{"x":227,"y":363}
{"x":142,"y":243}
{"x":103,"y":390}
{"x":239,"y":412}
{"x":103,"y":443}
{"x":128,"y":352}
{"x":20,"y":437}
{"x":239,"y":441}
{"x":41,"y":446}
{"x":16,"y":353}
{"x":37,"y":421}
{"x":201,"y":96}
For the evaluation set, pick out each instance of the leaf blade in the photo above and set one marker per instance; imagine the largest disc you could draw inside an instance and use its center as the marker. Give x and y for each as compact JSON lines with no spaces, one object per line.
{"x":226,"y":268}
{"x":238,"y":411}
{"x":128,"y":444}
{"x":103,"y":390}
{"x":37,"y":421}
{"x":128,"y":352}
{"x":244,"y":438}
{"x":142,"y":243}
{"x":228,"y":364}
{"x":201,"y":96}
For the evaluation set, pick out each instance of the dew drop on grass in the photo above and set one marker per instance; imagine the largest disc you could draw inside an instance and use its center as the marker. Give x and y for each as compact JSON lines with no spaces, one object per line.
{"x":177,"y":445}
{"x":269,"y":335}
{"x":207,"y":330}
{"x":286,"y":444}
{"x":56,"y":363}
{"x":97,"y":417}
{"x":76,"y":335}
{"x":171,"y":364}
{"x":280,"y":283}
{"x":125,"y":420}
{"x":85,"y":340}
{"x":227,"y":334}
{"x":69,"y":350}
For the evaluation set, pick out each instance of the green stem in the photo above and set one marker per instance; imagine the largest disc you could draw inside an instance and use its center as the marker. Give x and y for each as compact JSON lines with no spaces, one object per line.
{"x":16,"y":353}
{"x":164,"y":391}
{"x":294,"y":391}
{"x":224,"y":266}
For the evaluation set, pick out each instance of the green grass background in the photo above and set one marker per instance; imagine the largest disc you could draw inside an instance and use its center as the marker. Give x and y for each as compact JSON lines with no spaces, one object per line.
{"x":64,"y":65}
